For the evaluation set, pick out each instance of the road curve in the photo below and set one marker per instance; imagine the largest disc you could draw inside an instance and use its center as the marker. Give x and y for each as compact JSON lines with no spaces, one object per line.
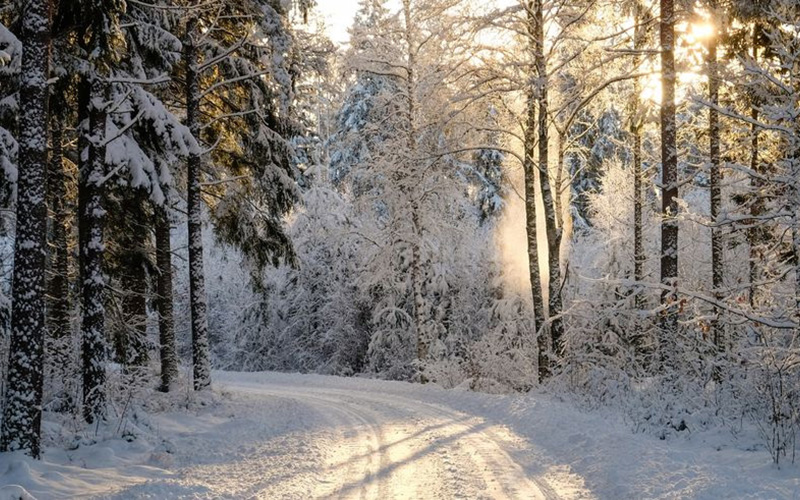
{"x":380,"y":446}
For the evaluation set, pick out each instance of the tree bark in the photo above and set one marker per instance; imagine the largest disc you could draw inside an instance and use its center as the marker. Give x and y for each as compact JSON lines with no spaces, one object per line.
{"x":93,"y":255}
{"x":552,"y":230}
{"x":132,"y":338}
{"x":529,"y":168}
{"x":58,"y":344}
{"x":421,"y":316}
{"x":717,"y":257}
{"x":58,"y":286}
{"x":669,"y":180}
{"x":166,"y":320}
{"x":755,"y":234}
{"x":639,"y":257}
{"x":201,"y":363}
{"x":22,"y":414}
{"x":542,"y":337}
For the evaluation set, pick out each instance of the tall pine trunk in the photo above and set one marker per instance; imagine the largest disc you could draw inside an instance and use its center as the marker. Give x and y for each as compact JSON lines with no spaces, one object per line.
{"x":756,"y":234}
{"x":717,"y":257}
{"x":201,"y":363}
{"x":58,"y":345}
{"x":58,"y":283}
{"x":166,"y":320}
{"x":132,"y":338}
{"x":92,"y":257}
{"x":669,"y":181}
{"x":639,"y":257}
{"x":529,"y":168}
{"x":22,"y":415}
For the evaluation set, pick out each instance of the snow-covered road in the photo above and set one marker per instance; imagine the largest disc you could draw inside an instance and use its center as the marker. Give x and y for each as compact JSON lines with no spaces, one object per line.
{"x":389,"y":446}
{"x":352,"y":440}
{"x":289,"y":436}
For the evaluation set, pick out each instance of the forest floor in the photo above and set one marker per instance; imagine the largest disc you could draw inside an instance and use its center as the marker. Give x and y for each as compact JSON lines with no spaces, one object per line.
{"x":270,"y":435}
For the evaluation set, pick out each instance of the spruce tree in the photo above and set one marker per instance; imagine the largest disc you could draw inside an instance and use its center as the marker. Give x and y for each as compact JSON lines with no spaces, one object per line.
{"x":22,"y":414}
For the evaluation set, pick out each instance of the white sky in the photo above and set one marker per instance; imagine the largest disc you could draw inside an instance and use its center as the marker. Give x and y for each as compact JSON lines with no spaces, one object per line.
{"x":338,"y":15}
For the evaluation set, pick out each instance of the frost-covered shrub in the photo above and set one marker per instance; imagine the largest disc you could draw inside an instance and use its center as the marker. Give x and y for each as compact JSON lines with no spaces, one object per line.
{"x":503,"y":359}
{"x":762,"y":383}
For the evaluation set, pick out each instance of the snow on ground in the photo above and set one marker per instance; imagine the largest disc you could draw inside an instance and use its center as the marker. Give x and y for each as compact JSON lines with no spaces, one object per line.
{"x":273,"y":435}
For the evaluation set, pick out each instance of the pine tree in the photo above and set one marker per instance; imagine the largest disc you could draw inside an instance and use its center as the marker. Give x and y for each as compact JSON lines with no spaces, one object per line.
{"x":642,"y":17}
{"x":164,"y":300}
{"x":22,"y":414}
{"x":239,"y":94}
{"x":669,"y":180}
{"x":93,"y":253}
{"x":101,"y":45}
{"x":717,"y":257}
{"x":201,"y":364}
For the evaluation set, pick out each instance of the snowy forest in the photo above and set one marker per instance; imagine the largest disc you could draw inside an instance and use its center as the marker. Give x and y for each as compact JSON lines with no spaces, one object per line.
{"x":595,"y":200}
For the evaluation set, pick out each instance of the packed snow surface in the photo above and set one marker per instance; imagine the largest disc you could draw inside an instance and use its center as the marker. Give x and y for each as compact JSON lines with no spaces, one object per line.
{"x":303,"y":436}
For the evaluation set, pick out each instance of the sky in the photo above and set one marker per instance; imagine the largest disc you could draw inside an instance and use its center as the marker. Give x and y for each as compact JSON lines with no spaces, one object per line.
{"x":338,"y":15}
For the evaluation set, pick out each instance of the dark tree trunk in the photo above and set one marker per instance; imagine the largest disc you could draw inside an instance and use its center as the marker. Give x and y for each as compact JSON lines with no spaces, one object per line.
{"x":22,"y":415}
{"x":756,"y":234}
{"x":132,"y":338}
{"x":93,"y":254}
{"x":58,"y":345}
{"x":166,"y":321}
{"x":717,"y":257}
{"x":58,"y":286}
{"x":201,"y":364}
{"x":639,"y":257}
{"x":669,"y":181}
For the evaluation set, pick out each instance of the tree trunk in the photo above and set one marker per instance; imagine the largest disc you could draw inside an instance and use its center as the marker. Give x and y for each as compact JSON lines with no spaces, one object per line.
{"x":58,"y":286}
{"x":132,"y":338}
{"x":669,"y":181}
{"x":639,"y":257}
{"x":166,"y":320}
{"x":93,"y":254}
{"x":423,"y":336}
{"x":543,"y":337}
{"x":22,"y":414}
{"x":552,"y":230}
{"x":421,"y":318}
{"x":755,"y":234}
{"x":201,"y":364}
{"x":559,"y":185}
{"x":58,"y":345}
{"x":717,"y":257}
{"x":529,"y":168}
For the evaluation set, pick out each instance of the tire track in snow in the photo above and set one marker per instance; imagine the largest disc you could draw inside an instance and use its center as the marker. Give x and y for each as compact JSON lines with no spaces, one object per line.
{"x":421,"y":450}
{"x":353,"y":449}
